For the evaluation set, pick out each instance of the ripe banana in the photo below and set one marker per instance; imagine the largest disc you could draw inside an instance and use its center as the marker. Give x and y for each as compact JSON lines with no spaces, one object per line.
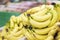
{"x":35,"y":9}
{"x":28,"y":35}
{"x":44,"y":31}
{"x":5,"y":32}
{"x":57,"y":8}
{"x":41,"y":12}
{"x":15,"y":29}
{"x":31,"y":33}
{"x":13,"y":18}
{"x":20,"y":32}
{"x":54,"y":17}
{"x":11,"y":23}
{"x":40,"y":37}
{"x":41,"y":18}
{"x":24,"y":19}
{"x":39,"y":24}
{"x":53,"y":31}
{"x":50,"y":38}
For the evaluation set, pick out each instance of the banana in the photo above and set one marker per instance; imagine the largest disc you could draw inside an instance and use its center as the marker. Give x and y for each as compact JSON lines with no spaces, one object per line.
{"x":40,"y":37}
{"x":35,"y":9}
{"x":12,"y":38}
{"x":41,"y":12}
{"x":41,"y":18}
{"x":30,"y":31}
{"x":15,"y":37}
{"x":11,"y":23}
{"x":21,"y":32}
{"x":49,"y":38}
{"x":13,"y":18}
{"x":19,"y":37}
{"x":54,"y":18}
{"x":39,"y":24}
{"x":5,"y":32}
{"x":16,"y":33}
{"x":2,"y":38}
{"x":44,"y":31}
{"x":28,"y":35}
{"x":24,"y":19}
{"x":18,"y":20}
{"x":14,"y":30}
{"x":57,"y":8}
{"x":53,"y":31}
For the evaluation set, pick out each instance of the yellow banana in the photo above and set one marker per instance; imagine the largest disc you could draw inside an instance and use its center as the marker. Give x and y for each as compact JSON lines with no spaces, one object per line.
{"x":15,"y":37}
{"x":53,"y":31}
{"x":33,"y":10}
{"x":54,"y":18}
{"x":11,"y":23}
{"x":5,"y":32}
{"x":41,"y":12}
{"x":13,"y":31}
{"x":30,"y":31}
{"x":28,"y":35}
{"x":2,"y":38}
{"x":18,"y":20}
{"x":57,"y":8}
{"x":40,"y":37}
{"x":24,"y":19}
{"x":49,"y":38}
{"x":41,"y":18}
{"x":12,"y":38}
{"x":13,"y":18}
{"x":44,"y":31}
{"x":20,"y":32}
{"x":39,"y":24}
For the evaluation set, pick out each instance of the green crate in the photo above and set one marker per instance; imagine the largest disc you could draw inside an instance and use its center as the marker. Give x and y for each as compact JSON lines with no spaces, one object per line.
{"x":5,"y":16}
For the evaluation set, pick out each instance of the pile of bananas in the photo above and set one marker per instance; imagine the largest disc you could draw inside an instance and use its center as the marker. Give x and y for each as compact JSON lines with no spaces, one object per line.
{"x":38,"y":23}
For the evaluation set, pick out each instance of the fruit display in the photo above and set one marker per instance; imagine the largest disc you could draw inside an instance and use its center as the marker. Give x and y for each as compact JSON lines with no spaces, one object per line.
{"x":38,"y":23}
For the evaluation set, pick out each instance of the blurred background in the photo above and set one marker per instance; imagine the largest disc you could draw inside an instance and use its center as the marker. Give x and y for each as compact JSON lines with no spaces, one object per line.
{"x":22,"y":5}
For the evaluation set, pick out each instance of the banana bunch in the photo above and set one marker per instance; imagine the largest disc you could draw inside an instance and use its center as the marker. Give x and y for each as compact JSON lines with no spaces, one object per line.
{"x":43,"y":18}
{"x":38,"y":23}
{"x":41,"y":23}
{"x":30,"y":34}
{"x":13,"y":30}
